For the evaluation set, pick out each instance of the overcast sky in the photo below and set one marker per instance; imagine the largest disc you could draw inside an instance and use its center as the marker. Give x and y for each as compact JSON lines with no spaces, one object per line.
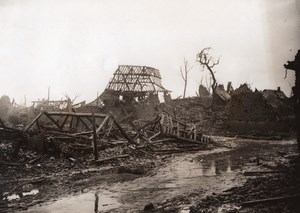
{"x":74,"y":46}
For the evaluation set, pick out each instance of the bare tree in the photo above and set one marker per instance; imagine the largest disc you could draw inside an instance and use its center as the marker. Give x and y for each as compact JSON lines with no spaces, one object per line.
{"x":184,"y":74}
{"x":206,"y":61}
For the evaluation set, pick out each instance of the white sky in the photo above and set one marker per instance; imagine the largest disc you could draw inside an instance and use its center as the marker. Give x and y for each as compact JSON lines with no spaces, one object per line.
{"x":74,"y":46}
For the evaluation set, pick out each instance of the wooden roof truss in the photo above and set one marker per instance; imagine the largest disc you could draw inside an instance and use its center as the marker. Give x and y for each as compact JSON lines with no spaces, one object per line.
{"x":129,"y":78}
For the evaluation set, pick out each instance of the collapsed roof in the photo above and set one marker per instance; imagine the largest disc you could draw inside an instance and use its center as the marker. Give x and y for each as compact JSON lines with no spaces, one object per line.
{"x":136,"y":79}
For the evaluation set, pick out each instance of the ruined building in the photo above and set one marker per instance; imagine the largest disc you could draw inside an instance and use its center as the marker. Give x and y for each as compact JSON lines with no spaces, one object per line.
{"x":133,"y":84}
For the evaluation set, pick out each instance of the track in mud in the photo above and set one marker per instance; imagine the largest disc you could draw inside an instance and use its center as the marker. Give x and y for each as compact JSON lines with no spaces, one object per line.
{"x":204,"y":172}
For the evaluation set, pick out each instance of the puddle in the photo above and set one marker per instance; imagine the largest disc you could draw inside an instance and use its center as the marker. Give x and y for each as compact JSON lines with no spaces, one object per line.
{"x":204,"y":172}
{"x":19,"y":195}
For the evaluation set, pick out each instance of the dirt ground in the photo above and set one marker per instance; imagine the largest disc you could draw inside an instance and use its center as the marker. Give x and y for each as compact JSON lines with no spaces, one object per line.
{"x":211,"y":180}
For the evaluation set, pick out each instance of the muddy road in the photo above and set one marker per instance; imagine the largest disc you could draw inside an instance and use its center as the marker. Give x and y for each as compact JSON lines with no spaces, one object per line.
{"x":202,"y":173}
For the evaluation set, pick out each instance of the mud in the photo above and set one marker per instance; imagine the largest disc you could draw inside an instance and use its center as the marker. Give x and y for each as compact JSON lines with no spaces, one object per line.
{"x":178,"y":184}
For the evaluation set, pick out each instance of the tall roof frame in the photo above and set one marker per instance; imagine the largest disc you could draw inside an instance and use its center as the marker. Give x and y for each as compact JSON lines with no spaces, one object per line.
{"x":135,"y":79}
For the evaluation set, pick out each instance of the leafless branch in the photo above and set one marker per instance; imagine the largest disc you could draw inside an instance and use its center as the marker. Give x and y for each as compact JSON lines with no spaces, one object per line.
{"x":184,"y":74}
{"x":207,"y":61}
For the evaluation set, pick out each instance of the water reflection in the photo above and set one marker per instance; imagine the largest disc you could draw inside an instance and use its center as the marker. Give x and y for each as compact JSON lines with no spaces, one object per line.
{"x":207,"y":173}
{"x":19,"y":195}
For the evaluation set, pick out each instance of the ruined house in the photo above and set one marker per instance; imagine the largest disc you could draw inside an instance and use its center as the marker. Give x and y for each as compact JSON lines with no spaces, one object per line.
{"x":133,"y":84}
{"x":269,"y":110}
{"x":242,"y":89}
{"x":221,"y":97}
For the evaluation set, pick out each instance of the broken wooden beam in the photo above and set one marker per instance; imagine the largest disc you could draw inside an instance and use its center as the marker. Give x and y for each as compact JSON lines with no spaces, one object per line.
{"x":53,"y":120}
{"x":155,"y":135}
{"x":82,"y":121}
{"x":78,"y":114}
{"x":103,"y":123}
{"x":122,"y":130}
{"x":33,"y":121}
{"x":64,"y":122}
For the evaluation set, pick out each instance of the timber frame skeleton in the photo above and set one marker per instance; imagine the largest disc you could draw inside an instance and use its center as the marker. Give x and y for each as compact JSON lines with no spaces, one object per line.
{"x":72,"y":125}
{"x":76,"y":124}
{"x":135,"y":81}
{"x":128,"y":78}
{"x":130,"y":81}
{"x":103,"y":129}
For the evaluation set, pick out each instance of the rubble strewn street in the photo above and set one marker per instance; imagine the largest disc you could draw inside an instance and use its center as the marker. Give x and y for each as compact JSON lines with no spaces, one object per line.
{"x":62,"y":151}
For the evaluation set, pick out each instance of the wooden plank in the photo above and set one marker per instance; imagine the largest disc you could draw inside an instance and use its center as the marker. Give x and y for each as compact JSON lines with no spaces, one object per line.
{"x":121,"y":130}
{"x":110,"y":123}
{"x":164,"y":140}
{"x":190,"y":132}
{"x":155,"y":135}
{"x":86,"y":126}
{"x":91,"y":120}
{"x":53,"y":120}
{"x":77,"y":114}
{"x":103,"y":123}
{"x":33,"y":121}
{"x":64,"y":122}
{"x":83,"y":133}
